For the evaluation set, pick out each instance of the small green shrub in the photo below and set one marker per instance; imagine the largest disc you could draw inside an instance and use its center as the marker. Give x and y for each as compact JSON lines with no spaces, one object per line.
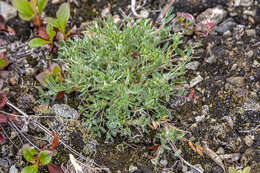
{"x":30,"y":10}
{"x":125,"y":75}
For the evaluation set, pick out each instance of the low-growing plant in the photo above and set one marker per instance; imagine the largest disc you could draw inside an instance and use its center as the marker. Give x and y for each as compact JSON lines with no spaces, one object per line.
{"x":187,"y":24}
{"x":233,"y":170}
{"x":59,"y":24}
{"x":61,"y":20}
{"x":30,"y":10}
{"x":125,"y":76}
{"x":39,"y":41}
{"x":41,"y":158}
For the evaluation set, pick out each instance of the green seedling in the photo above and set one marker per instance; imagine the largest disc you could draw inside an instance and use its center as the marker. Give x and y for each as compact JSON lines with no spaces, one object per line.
{"x":61,"y":20}
{"x":39,"y":41}
{"x":233,"y":170}
{"x":41,"y":158}
{"x":30,"y":10}
{"x":53,"y":73}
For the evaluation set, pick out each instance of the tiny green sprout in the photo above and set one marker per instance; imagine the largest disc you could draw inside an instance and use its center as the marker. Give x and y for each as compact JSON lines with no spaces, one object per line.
{"x":63,"y":15}
{"x":38,"y":41}
{"x":3,"y":63}
{"x":233,"y":170}
{"x":30,"y":10}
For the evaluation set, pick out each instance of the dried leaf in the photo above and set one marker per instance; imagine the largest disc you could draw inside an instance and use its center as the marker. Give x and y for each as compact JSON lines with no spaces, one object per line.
{"x":55,"y":141}
{"x":60,"y":95}
{"x":42,"y":33}
{"x":199,"y":150}
{"x":2,"y":138}
{"x":54,"y":168}
{"x":3,"y":99}
{"x":213,"y":155}
{"x":155,"y":147}
{"x":77,"y":167}
{"x":192,"y":146}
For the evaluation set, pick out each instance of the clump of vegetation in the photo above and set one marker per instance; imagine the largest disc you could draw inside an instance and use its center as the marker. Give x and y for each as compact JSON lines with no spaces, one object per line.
{"x":186,"y":23}
{"x":125,"y":76}
{"x":59,"y":24}
{"x":30,"y":10}
{"x":41,"y":158}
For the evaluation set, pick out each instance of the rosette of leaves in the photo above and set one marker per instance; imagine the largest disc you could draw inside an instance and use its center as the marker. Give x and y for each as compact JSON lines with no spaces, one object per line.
{"x":58,"y":23}
{"x":30,"y":10}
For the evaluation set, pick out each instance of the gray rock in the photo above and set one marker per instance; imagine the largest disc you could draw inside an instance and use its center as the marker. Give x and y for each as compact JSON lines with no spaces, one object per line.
{"x":220,"y":151}
{"x":233,"y":156}
{"x":225,"y":26}
{"x":13,"y":169}
{"x":164,"y":163}
{"x":205,"y":110}
{"x":200,"y":118}
{"x":249,"y":140}
{"x":237,"y":81}
{"x":64,"y":111}
{"x":215,"y":15}
{"x":193,"y":65}
{"x":250,"y":32}
{"x":195,"y":81}
{"x":211,"y":59}
{"x":132,"y":168}
{"x":7,"y":11}
{"x":245,"y":3}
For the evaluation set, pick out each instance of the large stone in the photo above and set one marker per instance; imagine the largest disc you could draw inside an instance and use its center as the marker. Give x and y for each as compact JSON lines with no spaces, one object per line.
{"x":193,"y":65}
{"x":237,"y":81}
{"x":7,"y":11}
{"x":64,"y":111}
{"x":195,"y":81}
{"x":215,"y":15}
{"x":245,"y":3}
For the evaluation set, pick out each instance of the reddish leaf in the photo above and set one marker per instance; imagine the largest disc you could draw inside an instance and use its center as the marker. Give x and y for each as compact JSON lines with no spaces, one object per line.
{"x":2,"y":138}
{"x":60,"y":95}
{"x":155,"y":147}
{"x":2,"y":23}
{"x":3,"y":99}
{"x":54,"y":169}
{"x":42,"y":33}
{"x":3,"y":118}
{"x":55,"y":141}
